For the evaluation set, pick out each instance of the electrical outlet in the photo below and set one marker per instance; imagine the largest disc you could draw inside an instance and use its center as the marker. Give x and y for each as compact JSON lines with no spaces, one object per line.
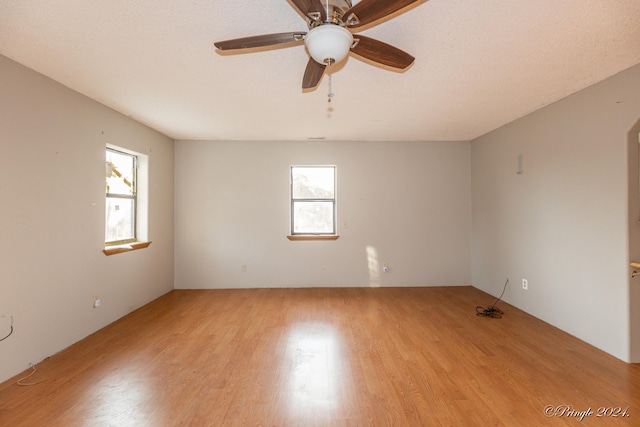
{"x":385,"y":267}
{"x":525,"y":284}
{"x":97,"y":302}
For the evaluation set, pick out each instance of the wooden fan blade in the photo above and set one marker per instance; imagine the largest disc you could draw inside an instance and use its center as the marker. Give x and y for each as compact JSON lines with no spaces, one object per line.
{"x":312,"y":74}
{"x":259,"y":41}
{"x":380,"y":52}
{"x":309,"y":8}
{"x":368,"y":11}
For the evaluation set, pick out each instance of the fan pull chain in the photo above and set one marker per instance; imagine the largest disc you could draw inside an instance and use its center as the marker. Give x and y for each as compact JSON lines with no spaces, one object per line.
{"x":330,"y":93}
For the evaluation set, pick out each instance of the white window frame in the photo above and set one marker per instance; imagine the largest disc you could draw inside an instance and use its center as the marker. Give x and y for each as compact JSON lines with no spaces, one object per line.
{"x":133,"y":196}
{"x":332,"y":200}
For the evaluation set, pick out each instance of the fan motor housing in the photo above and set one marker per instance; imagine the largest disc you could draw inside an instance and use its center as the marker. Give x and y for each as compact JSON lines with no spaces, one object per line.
{"x":334,"y":9}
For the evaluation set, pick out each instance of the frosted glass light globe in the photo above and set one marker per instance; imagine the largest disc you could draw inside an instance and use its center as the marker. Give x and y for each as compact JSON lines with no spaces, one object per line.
{"x":328,"y":43}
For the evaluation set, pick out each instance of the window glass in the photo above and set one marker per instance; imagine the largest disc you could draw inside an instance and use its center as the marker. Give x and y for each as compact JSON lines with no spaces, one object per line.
{"x":313,"y":217}
{"x":120,"y":220}
{"x":313,"y":182}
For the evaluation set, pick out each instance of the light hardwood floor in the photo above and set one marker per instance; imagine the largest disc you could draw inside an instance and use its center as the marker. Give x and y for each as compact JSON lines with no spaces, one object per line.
{"x":324,"y":357}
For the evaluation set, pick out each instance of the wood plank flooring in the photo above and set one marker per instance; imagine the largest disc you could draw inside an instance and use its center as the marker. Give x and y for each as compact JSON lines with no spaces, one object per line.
{"x":325,"y":357}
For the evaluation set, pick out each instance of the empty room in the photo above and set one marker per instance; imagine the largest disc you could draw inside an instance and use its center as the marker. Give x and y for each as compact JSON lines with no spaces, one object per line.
{"x":319,"y":213}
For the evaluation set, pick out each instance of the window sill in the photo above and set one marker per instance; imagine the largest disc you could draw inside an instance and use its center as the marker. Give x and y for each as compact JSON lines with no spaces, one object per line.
{"x":313,"y":237}
{"x":125,"y":248}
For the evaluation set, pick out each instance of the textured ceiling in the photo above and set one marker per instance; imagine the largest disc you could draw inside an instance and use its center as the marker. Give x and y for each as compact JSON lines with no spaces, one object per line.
{"x":479,"y":64}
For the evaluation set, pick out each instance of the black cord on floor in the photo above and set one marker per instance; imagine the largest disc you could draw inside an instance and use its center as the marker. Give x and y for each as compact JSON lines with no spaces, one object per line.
{"x":492,"y":311}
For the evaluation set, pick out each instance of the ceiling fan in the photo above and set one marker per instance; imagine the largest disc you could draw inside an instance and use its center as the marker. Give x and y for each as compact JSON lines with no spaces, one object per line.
{"x":329,"y":39}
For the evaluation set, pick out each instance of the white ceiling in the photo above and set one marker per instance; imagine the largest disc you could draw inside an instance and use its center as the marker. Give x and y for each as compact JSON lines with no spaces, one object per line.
{"x":479,"y":64}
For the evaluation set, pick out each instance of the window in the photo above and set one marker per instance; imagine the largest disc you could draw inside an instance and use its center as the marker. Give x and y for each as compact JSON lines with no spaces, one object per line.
{"x":313,"y":200}
{"x":121,"y":197}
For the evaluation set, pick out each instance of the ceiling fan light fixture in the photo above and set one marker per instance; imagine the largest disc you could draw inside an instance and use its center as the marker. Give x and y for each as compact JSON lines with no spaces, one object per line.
{"x":328,"y":43}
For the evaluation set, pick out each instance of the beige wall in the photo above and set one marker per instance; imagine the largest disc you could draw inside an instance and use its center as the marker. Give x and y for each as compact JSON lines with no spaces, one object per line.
{"x":405,"y":204}
{"x":52,"y":218}
{"x":563,"y":223}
